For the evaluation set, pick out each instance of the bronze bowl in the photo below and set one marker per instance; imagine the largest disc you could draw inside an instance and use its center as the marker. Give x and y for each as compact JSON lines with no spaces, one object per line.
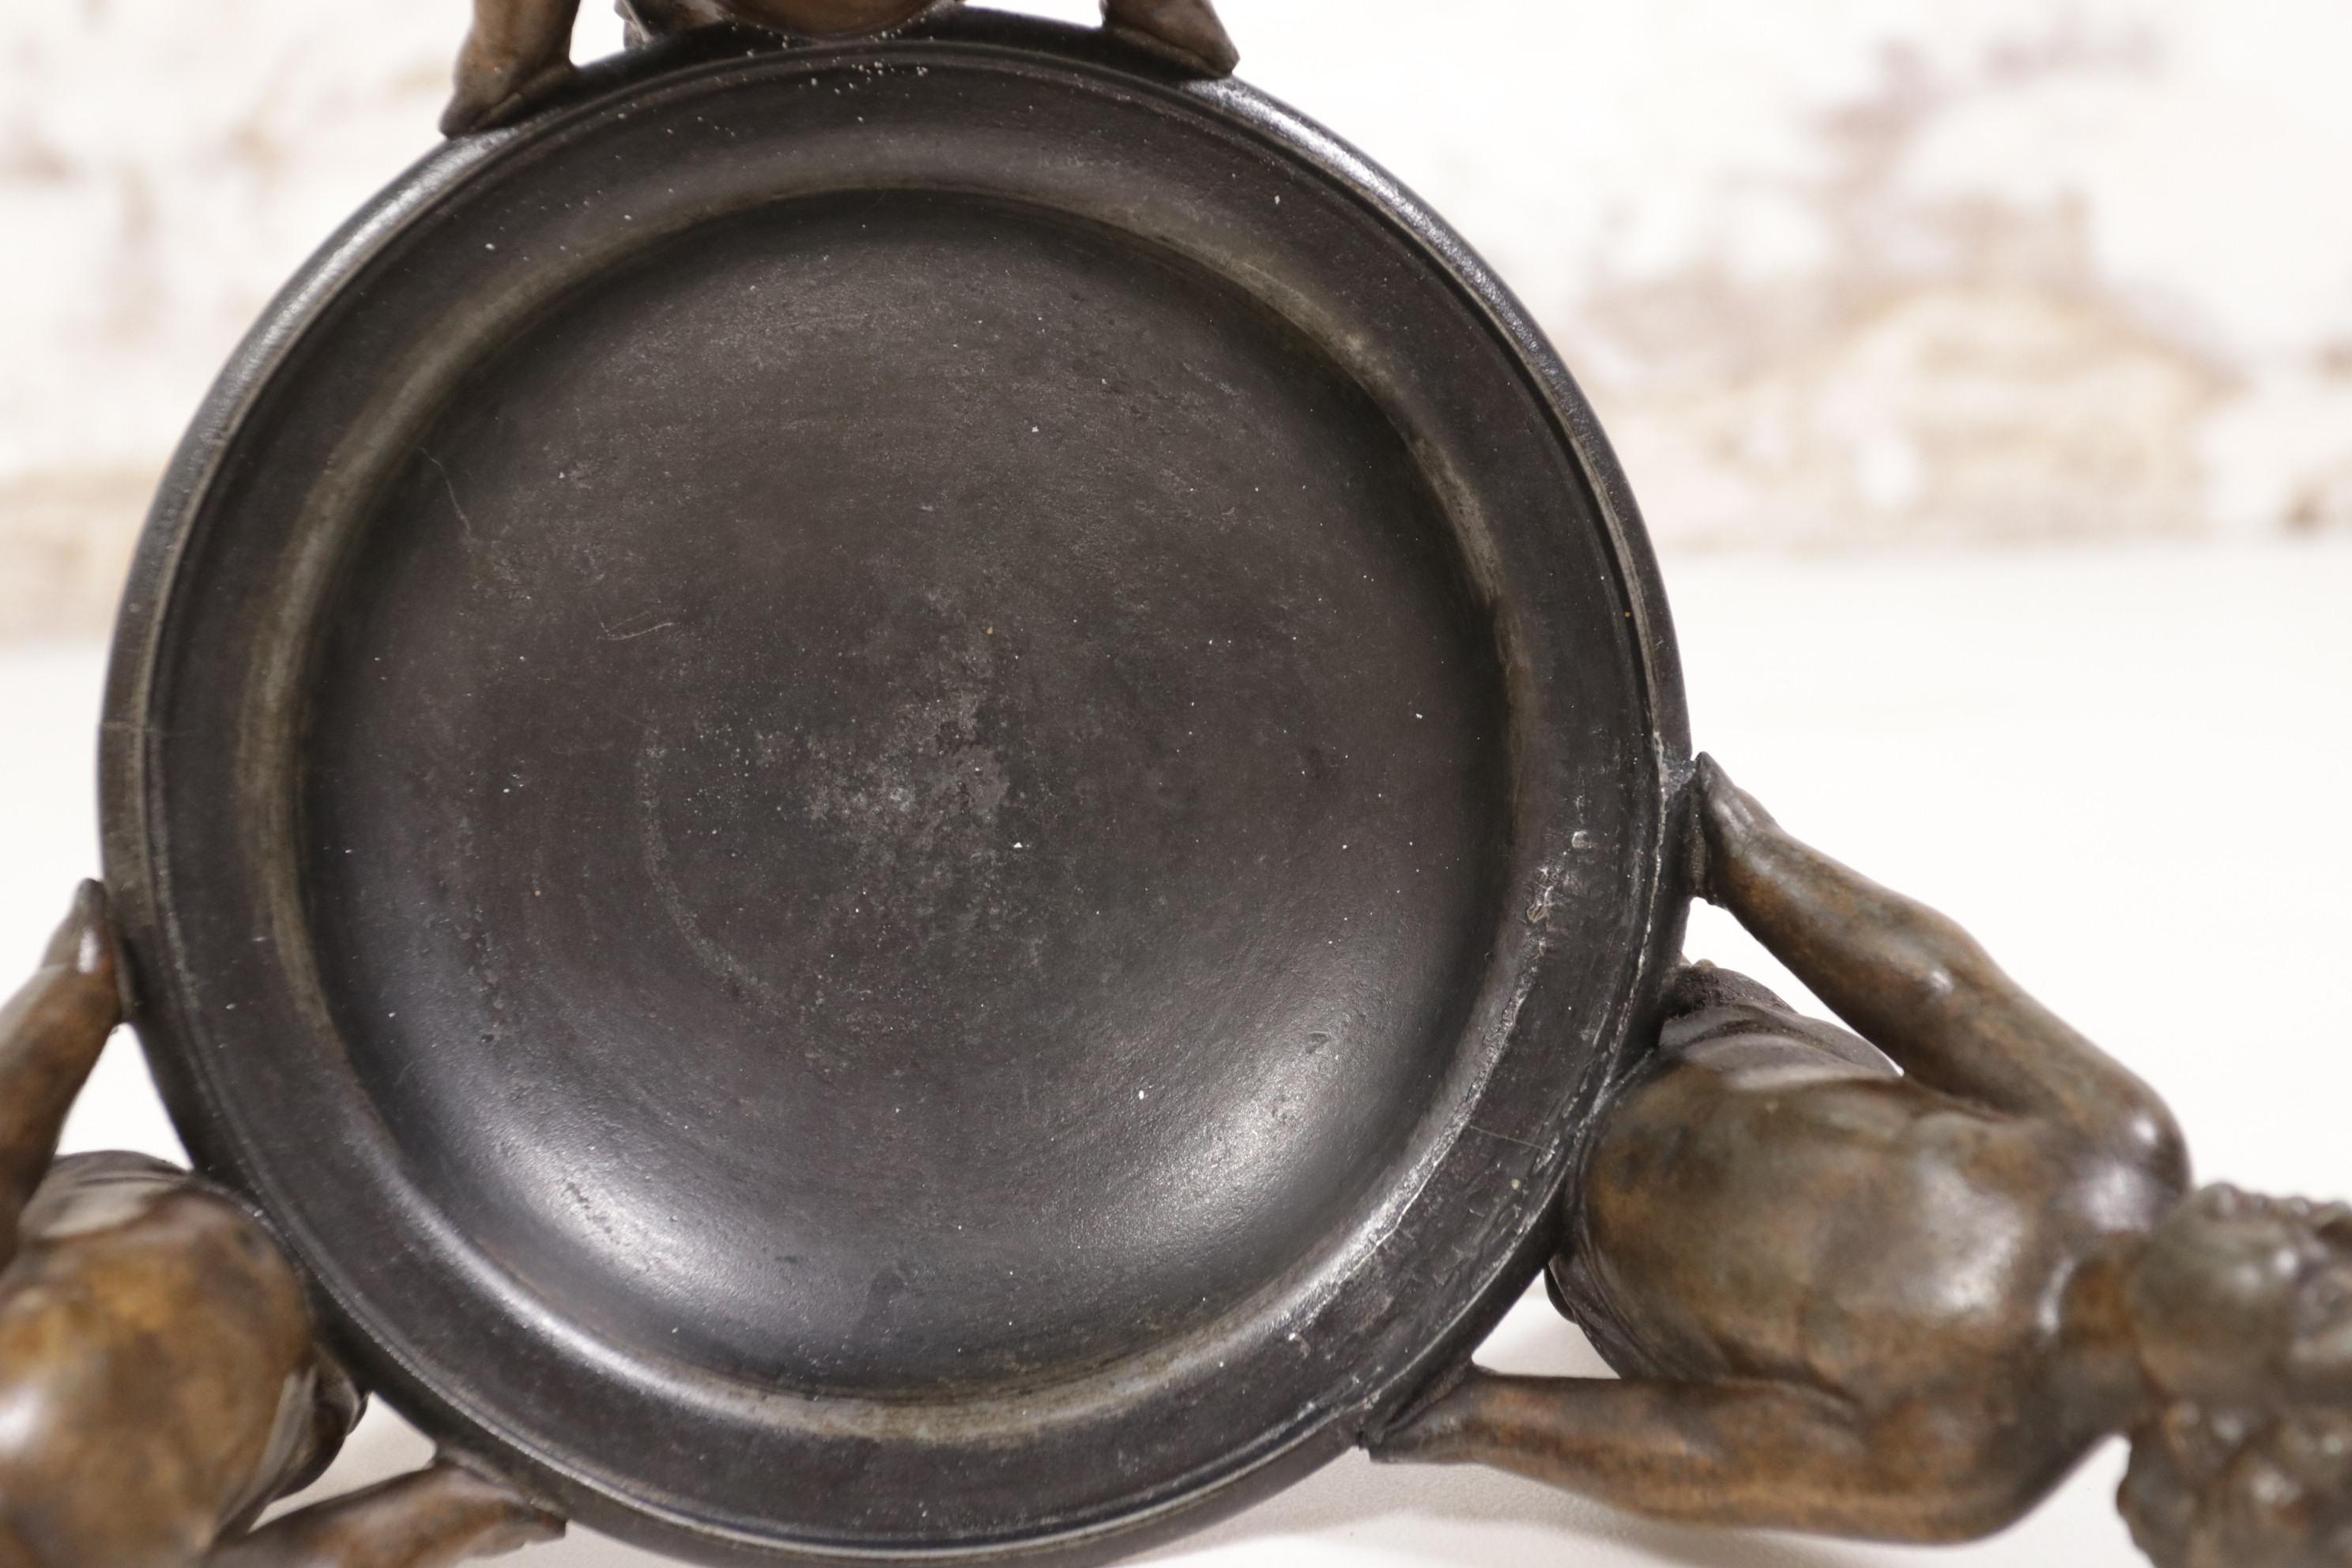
{"x":901,"y":797}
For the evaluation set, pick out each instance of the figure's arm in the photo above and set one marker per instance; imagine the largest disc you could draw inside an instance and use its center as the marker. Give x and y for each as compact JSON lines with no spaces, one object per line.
{"x":1745,"y":1456}
{"x":50,"y":1036}
{"x":1916,"y":986}
{"x":516,"y":50}
{"x":431,"y":1520}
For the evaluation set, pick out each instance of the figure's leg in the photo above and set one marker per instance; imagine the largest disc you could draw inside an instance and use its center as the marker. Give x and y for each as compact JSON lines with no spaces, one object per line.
{"x":1188,"y":26}
{"x":1916,"y":986}
{"x":1733,"y":1456}
{"x":516,"y":50}
{"x":430,"y":1519}
{"x":50,"y":1036}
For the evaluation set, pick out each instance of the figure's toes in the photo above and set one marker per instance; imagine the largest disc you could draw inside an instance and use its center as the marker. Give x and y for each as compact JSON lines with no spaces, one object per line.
{"x":1189,"y":27}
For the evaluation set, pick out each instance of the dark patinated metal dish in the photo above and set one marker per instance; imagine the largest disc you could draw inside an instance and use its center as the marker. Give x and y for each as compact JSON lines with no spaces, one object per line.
{"x":899,"y":798}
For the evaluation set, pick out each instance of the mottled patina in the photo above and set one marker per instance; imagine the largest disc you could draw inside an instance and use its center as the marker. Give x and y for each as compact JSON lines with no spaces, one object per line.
{"x":1896,"y":1287}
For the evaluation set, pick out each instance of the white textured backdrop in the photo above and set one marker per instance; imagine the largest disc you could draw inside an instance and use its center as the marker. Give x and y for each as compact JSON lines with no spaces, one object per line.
{"x":1834,"y":270}
{"x":1836,"y":273}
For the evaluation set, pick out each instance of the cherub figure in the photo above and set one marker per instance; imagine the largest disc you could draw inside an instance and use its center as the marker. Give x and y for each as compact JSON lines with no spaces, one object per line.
{"x":521,"y":49}
{"x":1895,"y":1290}
{"x":161,"y":1373}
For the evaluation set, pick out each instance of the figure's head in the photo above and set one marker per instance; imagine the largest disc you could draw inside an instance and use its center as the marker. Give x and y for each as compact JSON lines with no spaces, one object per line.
{"x":2242,"y":1311}
{"x":2246,"y":1301}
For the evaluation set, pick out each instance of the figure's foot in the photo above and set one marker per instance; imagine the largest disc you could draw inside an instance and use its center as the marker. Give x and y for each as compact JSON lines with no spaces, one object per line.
{"x":1728,"y":822}
{"x":1188,"y":28}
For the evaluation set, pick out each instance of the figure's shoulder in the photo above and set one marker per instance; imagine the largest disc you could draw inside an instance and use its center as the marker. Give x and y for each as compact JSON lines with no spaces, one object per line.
{"x":88,"y":1196}
{"x":121,"y":1229}
{"x":1724,"y":1020}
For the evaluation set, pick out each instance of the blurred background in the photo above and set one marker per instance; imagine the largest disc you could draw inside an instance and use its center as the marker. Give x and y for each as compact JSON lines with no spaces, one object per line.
{"x":1985,"y":372}
{"x":1837,"y":273}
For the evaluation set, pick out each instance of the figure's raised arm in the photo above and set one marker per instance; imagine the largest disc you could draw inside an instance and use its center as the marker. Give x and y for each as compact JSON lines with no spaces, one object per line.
{"x":51,"y":1032}
{"x":1919,"y":988}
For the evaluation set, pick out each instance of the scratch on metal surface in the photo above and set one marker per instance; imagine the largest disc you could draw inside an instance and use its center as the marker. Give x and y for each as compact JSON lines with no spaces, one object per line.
{"x":451,"y":487}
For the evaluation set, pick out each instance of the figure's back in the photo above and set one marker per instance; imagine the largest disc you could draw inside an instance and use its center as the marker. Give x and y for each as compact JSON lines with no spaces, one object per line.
{"x":1763,"y":1208}
{"x":163,"y":1348}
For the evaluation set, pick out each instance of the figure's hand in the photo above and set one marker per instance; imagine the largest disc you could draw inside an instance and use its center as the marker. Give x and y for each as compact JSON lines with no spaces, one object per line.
{"x":1726,"y":823}
{"x":1443,"y":1432}
{"x":1188,"y":28}
{"x":84,"y":944}
{"x":501,"y":1518}
{"x":433,"y":1519}
{"x":516,"y":52}
{"x":50,"y":1036}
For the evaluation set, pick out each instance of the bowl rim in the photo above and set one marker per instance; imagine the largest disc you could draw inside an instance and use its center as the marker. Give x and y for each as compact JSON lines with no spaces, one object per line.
{"x":1443,"y":1320}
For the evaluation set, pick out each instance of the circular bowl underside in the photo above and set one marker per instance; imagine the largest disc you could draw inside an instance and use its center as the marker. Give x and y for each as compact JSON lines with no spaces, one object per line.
{"x":898,"y":797}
